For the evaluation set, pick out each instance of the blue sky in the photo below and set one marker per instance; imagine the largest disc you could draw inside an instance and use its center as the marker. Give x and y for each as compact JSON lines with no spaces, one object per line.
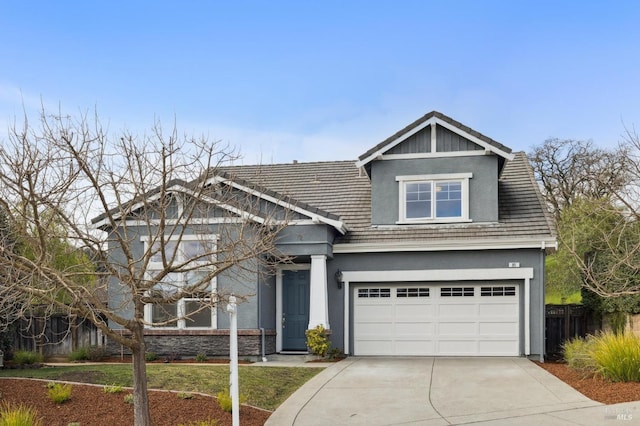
{"x":323,"y":80}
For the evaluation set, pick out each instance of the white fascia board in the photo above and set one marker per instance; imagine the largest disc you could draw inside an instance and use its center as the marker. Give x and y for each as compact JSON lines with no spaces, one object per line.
{"x":337,"y":224}
{"x":182,"y":189}
{"x":438,"y":275}
{"x":394,"y":142}
{"x":133,"y":208}
{"x":313,"y":218}
{"x":446,"y":245}
{"x":234,"y":210}
{"x":435,"y":120}
{"x":474,"y":139}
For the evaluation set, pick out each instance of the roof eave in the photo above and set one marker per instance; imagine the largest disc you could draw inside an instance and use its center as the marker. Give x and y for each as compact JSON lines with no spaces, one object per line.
{"x":546,"y":243}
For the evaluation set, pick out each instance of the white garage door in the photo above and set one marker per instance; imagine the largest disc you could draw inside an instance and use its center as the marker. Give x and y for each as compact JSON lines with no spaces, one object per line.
{"x":398,"y":319}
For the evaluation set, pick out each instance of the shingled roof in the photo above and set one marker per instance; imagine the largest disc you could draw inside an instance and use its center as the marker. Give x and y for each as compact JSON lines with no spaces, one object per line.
{"x":339,"y":188}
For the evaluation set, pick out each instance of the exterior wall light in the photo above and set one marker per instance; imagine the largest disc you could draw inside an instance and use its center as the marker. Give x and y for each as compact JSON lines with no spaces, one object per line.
{"x":339,"y":278}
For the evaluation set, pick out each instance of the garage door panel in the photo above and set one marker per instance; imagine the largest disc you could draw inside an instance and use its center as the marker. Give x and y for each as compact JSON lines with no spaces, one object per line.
{"x":437,"y":320}
{"x":414,"y":347}
{"x":497,"y":347}
{"x":499,"y":309}
{"x":414,"y":329}
{"x":457,"y":310}
{"x":374,"y":329}
{"x":502,"y":328}
{"x":376,"y":347}
{"x":457,"y":347}
{"x":457,"y":328}
{"x":414,"y":312}
{"x":376,"y":313}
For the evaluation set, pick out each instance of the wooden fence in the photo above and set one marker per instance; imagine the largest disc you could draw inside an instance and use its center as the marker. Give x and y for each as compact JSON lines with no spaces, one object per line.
{"x":57,"y":335}
{"x":563,"y":322}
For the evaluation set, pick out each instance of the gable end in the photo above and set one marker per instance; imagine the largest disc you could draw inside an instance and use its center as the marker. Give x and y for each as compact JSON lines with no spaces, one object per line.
{"x":434,"y":134}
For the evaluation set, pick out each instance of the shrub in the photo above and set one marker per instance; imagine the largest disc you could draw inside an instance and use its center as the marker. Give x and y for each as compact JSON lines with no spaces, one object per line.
{"x":185,"y":395}
{"x":174,"y":356}
{"x":27,"y":357}
{"x":128,"y":398}
{"x":112,"y":389}
{"x":150,"y":356}
{"x":577,"y":353}
{"x":80,"y":354}
{"x":618,"y":356}
{"x":318,"y":341}
{"x":225,"y":402}
{"x":18,"y":415}
{"x":618,"y":322}
{"x":201,"y":357}
{"x":97,"y":353}
{"x":335,"y":353}
{"x":59,"y":392}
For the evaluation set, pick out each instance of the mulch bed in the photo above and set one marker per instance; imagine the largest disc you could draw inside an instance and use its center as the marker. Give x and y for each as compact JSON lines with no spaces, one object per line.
{"x":90,"y":405}
{"x":594,"y":386}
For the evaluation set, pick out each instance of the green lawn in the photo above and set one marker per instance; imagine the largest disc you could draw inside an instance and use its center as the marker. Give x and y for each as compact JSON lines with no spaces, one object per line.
{"x":264,"y":387}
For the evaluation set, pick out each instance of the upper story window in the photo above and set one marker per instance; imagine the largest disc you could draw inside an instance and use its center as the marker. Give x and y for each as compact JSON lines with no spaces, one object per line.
{"x":434,"y":198}
{"x":194,"y":310}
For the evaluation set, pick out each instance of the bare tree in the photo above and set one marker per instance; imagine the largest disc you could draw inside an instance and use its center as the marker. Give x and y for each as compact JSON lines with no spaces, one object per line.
{"x":570,"y":172}
{"x":595,"y":196}
{"x":570,"y":169}
{"x":604,"y":244}
{"x":156,"y":217}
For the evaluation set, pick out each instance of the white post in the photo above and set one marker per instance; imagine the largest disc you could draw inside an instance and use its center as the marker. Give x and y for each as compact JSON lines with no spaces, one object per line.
{"x":233,"y":360}
{"x":318,"y":298}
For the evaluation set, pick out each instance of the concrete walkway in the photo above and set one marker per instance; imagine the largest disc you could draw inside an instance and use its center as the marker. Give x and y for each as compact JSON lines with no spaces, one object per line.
{"x":443,"y":391}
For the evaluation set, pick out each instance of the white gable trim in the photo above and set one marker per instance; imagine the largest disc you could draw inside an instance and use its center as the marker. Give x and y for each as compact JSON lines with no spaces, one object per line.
{"x":313,"y":218}
{"x":338,"y":224}
{"x":183,"y":190}
{"x":474,"y":139}
{"x":433,"y":121}
{"x":397,"y":141}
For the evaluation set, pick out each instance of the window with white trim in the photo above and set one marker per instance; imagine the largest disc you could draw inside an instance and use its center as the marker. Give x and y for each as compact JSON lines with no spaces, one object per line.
{"x":456,"y":291}
{"x":498,"y":291}
{"x":191,"y":309}
{"x":413,"y":292}
{"x":434,"y":198}
{"x":374,"y":292}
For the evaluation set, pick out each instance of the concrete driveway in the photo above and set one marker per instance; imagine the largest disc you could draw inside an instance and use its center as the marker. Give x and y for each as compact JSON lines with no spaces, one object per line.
{"x":442,"y":391}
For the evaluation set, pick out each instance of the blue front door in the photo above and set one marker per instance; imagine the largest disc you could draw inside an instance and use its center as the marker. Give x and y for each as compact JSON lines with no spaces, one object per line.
{"x":295,"y":310}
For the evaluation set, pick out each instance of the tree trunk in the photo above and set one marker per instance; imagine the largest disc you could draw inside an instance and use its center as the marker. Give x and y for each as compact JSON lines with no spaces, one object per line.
{"x":73,"y":324}
{"x":141,"y":413}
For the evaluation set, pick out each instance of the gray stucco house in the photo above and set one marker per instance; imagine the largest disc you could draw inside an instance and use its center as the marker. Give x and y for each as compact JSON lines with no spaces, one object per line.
{"x":432,"y":242}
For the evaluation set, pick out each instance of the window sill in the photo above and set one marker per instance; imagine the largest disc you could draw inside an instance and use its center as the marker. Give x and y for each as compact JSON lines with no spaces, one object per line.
{"x":433,"y":221}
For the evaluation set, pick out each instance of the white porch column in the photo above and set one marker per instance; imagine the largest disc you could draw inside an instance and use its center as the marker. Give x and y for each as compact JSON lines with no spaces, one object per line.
{"x":318,"y":298}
